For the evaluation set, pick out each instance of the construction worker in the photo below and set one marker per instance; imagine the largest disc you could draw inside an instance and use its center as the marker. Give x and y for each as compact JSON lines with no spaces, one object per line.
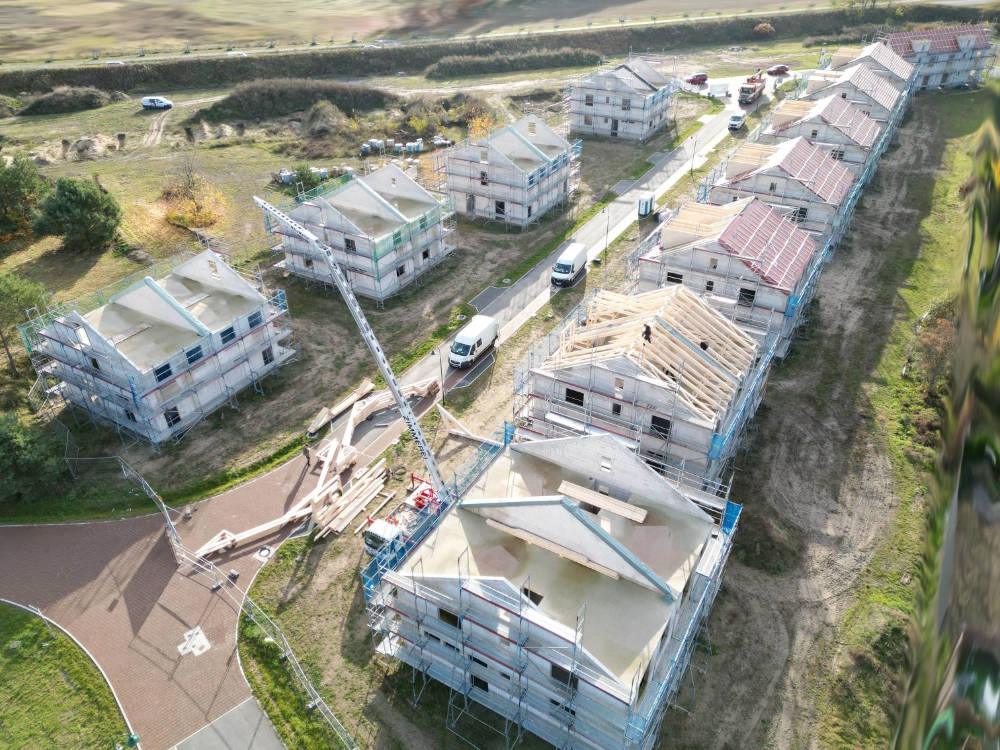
{"x":647,"y":333}
{"x":305,"y":452}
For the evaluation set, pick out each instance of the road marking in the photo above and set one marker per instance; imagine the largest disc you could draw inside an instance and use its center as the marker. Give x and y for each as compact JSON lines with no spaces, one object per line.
{"x":195,"y":642}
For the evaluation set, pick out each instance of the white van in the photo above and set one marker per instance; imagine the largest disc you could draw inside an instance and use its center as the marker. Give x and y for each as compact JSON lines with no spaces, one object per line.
{"x":472,"y":341}
{"x":156,"y":102}
{"x":570,"y":265}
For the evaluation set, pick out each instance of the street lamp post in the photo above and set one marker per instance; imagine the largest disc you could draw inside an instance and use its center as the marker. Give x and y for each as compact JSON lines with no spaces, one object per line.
{"x":440,"y":357}
{"x":607,"y":233}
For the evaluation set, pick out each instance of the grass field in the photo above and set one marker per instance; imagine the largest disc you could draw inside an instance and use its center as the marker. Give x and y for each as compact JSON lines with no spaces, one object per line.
{"x":49,"y":29}
{"x":52,"y":695}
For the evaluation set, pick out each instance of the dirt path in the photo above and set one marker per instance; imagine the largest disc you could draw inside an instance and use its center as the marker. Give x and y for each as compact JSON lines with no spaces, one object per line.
{"x":155,"y":133}
{"x":817,"y":480}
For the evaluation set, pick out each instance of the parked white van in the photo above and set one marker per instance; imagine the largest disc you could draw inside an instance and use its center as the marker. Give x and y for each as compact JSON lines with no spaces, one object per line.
{"x":570,"y":265}
{"x":473,"y":341}
{"x":156,"y":102}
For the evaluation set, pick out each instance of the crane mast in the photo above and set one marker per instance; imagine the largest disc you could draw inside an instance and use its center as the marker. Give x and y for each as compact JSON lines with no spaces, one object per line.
{"x":434,"y":473}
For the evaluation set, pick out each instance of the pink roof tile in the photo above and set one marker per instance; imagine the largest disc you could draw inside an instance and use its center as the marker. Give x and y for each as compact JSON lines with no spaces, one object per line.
{"x":875,"y":86}
{"x":769,"y":244}
{"x":885,"y":56}
{"x":848,"y":119}
{"x":943,"y":40}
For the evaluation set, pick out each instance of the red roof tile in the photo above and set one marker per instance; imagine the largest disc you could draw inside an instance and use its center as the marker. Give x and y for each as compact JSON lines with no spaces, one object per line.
{"x":769,"y":244}
{"x":943,"y":40}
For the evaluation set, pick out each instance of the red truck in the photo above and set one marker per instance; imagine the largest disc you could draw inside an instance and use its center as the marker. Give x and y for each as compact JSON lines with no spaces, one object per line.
{"x":752,"y":88}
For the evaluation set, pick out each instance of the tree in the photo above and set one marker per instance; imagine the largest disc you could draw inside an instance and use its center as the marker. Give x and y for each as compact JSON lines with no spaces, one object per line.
{"x":763,"y":29}
{"x":21,"y":189}
{"x":86,"y":216}
{"x":30,"y":464}
{"x":307,"y":177}
{"x":936,"y":345}
{"x":16,"y":296}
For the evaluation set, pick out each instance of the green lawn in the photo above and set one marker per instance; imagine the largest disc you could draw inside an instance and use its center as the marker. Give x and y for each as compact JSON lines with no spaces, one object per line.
{"x":51,"y":694}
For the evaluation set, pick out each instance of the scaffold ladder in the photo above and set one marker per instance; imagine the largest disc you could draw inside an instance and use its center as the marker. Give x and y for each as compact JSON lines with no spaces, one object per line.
{"x":368,"y":335}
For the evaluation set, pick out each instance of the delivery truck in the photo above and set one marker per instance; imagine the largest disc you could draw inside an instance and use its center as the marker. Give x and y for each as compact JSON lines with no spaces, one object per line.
{"x":478,"y":337}
{"x":570,"y":265}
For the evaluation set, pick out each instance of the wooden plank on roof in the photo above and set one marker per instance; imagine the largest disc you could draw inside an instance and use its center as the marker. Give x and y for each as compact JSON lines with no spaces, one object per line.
{"x":625,"y":510}
{"x":556,"y":549}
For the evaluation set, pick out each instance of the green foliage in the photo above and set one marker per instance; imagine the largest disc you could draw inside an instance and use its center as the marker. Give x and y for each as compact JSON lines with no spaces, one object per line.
{"x":308,"y":178}
{"x":67,"y":99}
{"x":21,"y":189}
{"x":31,"y":464}
{"x":84,"y":215}
{"x":55,"y":697}
{"x":453,"y":66}
{"x":16,"y":295}
{"x":278,"y":97}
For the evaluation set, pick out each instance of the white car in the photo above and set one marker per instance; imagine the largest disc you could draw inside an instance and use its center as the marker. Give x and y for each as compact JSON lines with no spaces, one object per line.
{"x":737,"y":121}
{"x":236,"y":53}
{"x":156,"y":102}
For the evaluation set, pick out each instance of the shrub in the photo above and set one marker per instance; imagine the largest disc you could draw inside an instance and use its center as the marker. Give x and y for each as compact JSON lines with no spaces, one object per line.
{"x":277,"y":97}
{"x":67,"y":99}
{"x":323,"y":119}
{"x":763,"y":30}
{"x":458,"y":65}
{"x":30,"y":462}
{"x":21,"y":188}
{"x":85,"y":215}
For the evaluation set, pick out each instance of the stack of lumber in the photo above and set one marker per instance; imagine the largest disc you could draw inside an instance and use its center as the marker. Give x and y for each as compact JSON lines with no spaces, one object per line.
{"x":340,"y":509}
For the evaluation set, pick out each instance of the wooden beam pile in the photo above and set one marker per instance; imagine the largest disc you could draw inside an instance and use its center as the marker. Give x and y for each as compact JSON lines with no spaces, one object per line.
{"x":342,"y":508}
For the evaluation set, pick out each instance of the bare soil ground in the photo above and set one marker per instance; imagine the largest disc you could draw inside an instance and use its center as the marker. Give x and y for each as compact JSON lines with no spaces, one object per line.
{"x":816,"y":482}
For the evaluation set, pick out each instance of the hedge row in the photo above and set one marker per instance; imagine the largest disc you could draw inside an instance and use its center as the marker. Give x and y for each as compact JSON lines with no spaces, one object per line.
{"x":67,"y":99}
{"x":353,"y":61}
{"x":277,"y":97}
{"x":462,"y":65}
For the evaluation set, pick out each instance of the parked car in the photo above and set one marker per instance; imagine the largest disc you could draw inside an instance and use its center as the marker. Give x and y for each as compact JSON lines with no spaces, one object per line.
{"x":115,"y":62}
{"x":777,"y":70}
{"x":156,"y":102}
{"x":697,"y":79}
{"x":737,"y":121}
{"x":236,"y":53}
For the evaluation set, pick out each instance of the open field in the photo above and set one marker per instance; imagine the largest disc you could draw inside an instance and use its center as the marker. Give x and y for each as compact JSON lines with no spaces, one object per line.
{"x":53,"y":696}
{"x":50,"y":29}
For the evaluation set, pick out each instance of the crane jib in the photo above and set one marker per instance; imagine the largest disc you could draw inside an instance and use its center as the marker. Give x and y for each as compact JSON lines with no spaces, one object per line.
{"x":409,"y":418}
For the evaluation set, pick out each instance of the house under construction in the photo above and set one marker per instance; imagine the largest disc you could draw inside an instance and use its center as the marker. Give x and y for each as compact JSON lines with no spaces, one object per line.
{"x":874,"y":95}
{"x":561,"y":595}
{"x":663,"y":371}
{"x":833,"y":125}
{"x":154,"y":353}
{"x":794,"y":176}
{"x":877,"y":57}
{"x":384,"y":229}
{"x":946,"y":55}
{"x":513,"y":175}
{"x":745,"y":259}
{"x":630,"y":101}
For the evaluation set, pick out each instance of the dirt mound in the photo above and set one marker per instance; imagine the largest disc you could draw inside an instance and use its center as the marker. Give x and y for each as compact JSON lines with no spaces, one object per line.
{"x":67,"y":99}
{"x":323,"y":118}
{"x":120,"y":96}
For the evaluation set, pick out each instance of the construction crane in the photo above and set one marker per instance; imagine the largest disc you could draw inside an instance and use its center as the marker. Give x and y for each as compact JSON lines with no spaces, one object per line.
{"x":434,"y":473}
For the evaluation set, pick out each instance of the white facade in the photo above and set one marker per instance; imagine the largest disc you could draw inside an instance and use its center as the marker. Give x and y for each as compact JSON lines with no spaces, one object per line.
{"x":834,"y":125}
{"x":946,"y":56}
{"x":745,"y":259}
{"x":513,"y":175}
{"x":680,"y":398}
{"x":792,"y":175}
{"x":384,"y":230}
{"x":159,"y":354}
{"x":569,"y":618}
{"x":874,"y":95}
{"x":630,"y":101}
